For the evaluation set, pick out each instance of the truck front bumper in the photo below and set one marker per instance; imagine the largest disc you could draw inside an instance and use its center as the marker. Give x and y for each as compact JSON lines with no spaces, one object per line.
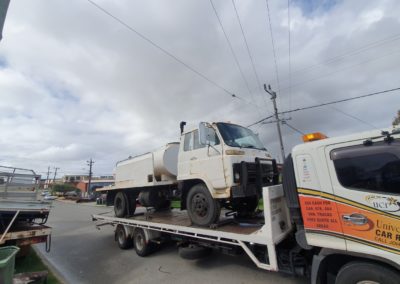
{"x":250,"y":177}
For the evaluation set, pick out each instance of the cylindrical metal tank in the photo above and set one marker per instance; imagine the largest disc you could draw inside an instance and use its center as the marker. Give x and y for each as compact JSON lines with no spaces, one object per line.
{"x":165,"y":160}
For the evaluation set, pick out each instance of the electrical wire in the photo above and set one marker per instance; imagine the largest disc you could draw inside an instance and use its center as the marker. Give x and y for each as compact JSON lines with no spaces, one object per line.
{"x":233,"y":53}
{"x":142,"y":36}
{"x":346,"y":54}
{"x":273,"y":49}
{"x":354,"y":117}
{"x":290,"y":60}
{"x":247,"y":46}
{"x":339,"y":70}
{"x":292,"y":127}
{"x":329,"y":103}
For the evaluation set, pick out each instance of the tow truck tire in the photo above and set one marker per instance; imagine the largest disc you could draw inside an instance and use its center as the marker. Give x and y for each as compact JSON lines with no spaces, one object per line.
{"x":365,"y":272}
{"x":143,"y":247}
{"x":120,"y":204}
{"x":193,"y":252}
{"x":202,"y":208}
{"x":124,"y":241}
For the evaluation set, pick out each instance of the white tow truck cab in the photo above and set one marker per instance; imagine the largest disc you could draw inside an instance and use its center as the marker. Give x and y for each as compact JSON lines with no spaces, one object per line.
{"x":334,"y":218}
{"x":213,"y":166}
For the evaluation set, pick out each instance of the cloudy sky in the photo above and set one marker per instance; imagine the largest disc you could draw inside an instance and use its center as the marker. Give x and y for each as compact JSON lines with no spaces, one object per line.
{"x":77,"y":84}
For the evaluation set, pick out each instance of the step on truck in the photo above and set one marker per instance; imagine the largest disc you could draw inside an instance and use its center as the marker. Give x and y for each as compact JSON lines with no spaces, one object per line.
{"x":217,"y":165}
{"x":335,"y":218}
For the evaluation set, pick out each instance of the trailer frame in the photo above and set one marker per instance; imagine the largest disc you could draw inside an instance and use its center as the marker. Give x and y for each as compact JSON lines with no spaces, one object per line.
{"x":276,"y":227}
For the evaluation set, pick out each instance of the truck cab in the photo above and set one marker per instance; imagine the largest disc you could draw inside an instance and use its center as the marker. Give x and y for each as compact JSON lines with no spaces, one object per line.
{"x":343,"y":194}
{"x":227,"y":166}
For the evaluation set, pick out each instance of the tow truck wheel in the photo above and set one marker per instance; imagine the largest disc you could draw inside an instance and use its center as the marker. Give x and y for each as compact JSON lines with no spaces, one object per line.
{"x":143,"y":246}
{"x":202,"y":208}
{"x":120,"y":204}
{"x":357,"y":272}
{"x":124,"y":241}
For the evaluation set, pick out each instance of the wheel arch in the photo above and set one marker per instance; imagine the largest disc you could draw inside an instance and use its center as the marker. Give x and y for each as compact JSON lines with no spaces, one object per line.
{"x":329,"y":262}
{"x":185,"y":186}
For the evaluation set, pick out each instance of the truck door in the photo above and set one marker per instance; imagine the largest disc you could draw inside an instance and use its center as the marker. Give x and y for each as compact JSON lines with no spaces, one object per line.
{"x":203,"y":162}
{"x":366,"y":182}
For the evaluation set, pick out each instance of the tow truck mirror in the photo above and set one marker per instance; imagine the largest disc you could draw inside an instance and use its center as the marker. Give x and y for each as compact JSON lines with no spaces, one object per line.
{"x":203,"y":133}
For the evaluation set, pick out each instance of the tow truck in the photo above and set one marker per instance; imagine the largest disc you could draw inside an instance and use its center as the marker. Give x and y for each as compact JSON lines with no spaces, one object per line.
{"x":335,"y":217}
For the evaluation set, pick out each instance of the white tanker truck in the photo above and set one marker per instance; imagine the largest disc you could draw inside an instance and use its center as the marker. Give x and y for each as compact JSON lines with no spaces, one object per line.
{"x":215,"y":165}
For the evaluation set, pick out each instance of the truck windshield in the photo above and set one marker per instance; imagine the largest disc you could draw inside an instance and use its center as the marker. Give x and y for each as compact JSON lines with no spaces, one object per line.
{"x":238,"y":136}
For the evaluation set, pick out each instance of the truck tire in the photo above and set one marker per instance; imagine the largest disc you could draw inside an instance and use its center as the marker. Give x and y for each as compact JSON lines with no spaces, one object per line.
{"x":143,"y":247}
{"x":364,"y":272}
{"x":131,"y":203}
{"x":124,"y":241}
{"x":120,"y":204}
{"x":192,"y":252}
{"x":202,"y":208}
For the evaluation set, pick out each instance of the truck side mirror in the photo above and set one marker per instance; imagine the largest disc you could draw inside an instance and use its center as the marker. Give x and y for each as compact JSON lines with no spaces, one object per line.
{"x":203,"y":130}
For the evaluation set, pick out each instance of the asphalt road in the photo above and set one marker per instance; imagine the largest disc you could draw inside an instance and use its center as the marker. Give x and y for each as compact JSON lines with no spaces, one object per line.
{"x":82,"y":254}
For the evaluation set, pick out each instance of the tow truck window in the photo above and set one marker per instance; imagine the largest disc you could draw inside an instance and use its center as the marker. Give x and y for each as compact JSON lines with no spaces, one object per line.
{"x":370,"y":168}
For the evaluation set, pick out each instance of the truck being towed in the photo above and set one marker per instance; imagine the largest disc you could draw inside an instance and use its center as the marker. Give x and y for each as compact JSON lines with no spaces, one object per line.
{"x":215,"y":165}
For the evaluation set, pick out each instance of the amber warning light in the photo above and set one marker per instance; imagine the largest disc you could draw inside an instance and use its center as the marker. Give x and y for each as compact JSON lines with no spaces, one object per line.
{"x":314,"y":137}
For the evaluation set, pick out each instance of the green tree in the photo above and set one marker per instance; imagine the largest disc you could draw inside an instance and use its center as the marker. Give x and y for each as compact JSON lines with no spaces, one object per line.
{"x":64,"y":188}
{"x":396,"y":120}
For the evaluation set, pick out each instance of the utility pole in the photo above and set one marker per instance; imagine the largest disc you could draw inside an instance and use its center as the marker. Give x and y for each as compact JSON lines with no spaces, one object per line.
{"x":46,"y":183}
{"x":278,"y":126}
{"x":90,"y":164}
{"x":55,"y":174}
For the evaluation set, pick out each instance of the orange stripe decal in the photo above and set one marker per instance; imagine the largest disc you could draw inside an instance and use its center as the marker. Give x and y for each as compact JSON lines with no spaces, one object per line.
{"x":326,"y":214}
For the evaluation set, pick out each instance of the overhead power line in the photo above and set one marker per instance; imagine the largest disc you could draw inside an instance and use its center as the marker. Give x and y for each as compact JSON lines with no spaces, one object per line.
{"x":290,"y":60}
{"x":328,"y":103}
{"x":292,"y":127}
{"x":166,"y":52}
{"x":273,"y":48}
{"x":340,"y":70}
{"x":247,"y":46}
{"x":233,"y":52}
{"x":339,"y":57}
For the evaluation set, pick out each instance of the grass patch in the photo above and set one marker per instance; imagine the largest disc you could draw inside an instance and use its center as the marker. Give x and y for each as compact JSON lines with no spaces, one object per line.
{"x":176,"y":204}
{"x":31,"y":263}
{"x":261,"y":204}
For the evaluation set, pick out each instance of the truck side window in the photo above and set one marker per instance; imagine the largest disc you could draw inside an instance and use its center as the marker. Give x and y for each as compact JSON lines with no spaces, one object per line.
{"x":370,"y":168}
{"x":196,"y":144}
{"x":214,"y":141}
{"x":188,"y":145}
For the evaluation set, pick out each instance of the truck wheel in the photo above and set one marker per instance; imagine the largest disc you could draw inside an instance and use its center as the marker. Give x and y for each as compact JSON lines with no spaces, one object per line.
{"x":192,"y":252}
{"x":364,"y":272}
{"x":124,"y":241}
{"x":202,"y":208}
{"x":143,"y":247}
{"x":120,"y":204}
{"x":131,"y":203}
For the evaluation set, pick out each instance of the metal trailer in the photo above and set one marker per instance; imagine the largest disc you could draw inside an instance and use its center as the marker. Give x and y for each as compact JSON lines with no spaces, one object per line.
{"x":258,"y":241}
{"x":24,"y":235}
{"x":22,"y":215}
